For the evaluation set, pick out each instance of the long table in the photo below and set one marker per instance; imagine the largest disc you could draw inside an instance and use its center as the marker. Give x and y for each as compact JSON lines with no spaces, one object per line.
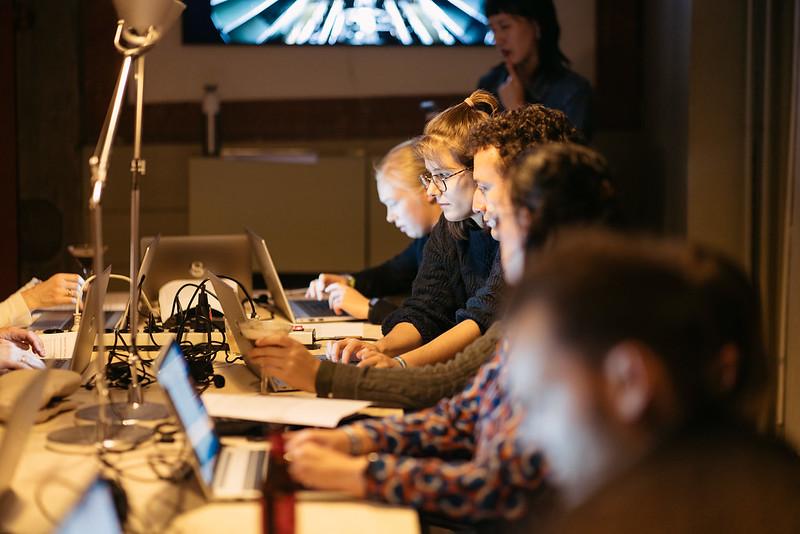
{"x":50,"y":478}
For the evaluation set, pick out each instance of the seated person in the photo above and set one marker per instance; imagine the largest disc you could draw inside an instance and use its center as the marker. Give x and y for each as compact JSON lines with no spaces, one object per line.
{"x":58,"y":290}
{"x":16,"y":345}
{"x":513,"y":132}
{"x":455,"y":296}
{"x":460,"y":458}
{"x":415,"y":214}
{"x":534,"y":69}
{"x":636,"y":364}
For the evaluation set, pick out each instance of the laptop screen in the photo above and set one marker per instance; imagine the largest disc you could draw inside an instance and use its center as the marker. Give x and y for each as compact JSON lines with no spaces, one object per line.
{"x":94,"y":513}
{"x":173,"y":375}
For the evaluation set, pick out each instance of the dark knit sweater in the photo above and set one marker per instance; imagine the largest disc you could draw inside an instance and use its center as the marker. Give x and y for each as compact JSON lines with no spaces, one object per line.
{"x":414,"y":387}
{"x":458,"y":280}
{"x":392,"y":277}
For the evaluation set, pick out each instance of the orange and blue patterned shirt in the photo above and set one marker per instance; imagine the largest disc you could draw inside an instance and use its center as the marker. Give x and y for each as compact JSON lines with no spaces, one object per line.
{"x":459,"y":458}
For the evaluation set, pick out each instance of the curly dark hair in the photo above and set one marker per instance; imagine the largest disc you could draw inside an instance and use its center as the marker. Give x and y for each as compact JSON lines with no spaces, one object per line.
{"x":515,"y":131}
{"x":560,"y":185}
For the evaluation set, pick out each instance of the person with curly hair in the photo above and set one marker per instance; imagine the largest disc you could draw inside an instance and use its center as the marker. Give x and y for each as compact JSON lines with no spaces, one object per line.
{"x":534,"y":69}
{"x":460,"y":458}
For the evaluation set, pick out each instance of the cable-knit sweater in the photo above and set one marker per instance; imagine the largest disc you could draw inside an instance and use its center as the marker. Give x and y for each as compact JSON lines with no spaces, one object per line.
{"x":457,"y":280}
{"x":414,"y":387}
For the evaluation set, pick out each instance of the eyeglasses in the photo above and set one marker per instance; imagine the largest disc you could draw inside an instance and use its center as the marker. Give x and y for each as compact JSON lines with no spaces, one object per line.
{"x":439,"y":180}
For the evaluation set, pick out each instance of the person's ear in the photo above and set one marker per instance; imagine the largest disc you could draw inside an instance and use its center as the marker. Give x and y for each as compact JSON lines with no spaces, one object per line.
{"x":725,"y":370}
{"x":629,"y":380}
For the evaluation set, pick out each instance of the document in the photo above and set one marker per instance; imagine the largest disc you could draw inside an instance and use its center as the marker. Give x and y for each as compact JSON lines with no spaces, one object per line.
{"x":289,"y":410}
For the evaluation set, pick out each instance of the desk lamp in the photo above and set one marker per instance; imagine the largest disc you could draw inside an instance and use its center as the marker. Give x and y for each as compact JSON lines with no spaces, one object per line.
{"x":141,"y":24}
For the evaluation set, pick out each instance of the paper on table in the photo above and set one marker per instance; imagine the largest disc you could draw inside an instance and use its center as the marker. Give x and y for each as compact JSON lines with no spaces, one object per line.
{"x":60,"y":346}
{"x":306,"y":411}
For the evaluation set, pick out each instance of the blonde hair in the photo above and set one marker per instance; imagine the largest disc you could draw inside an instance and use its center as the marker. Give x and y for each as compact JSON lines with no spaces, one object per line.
{"x":402,"y":166}
{"x":449,"y":131}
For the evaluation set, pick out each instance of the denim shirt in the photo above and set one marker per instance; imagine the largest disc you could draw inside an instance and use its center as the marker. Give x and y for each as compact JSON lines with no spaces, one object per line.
{"x":564,"y":90}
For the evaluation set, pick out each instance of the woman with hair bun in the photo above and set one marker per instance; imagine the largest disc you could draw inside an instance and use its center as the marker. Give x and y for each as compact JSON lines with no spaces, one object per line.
{"x":454,"y":298}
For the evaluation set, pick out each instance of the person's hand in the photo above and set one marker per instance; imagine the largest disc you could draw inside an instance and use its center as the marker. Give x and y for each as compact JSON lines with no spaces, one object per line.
{"x":12,"y":356}
{"x":343,"y":298}
{"x":348,"y":349}
{"x":322,"y":468}
{"x":512,"y":91}
{"x":286,"y":359}
{"x":59,"y":289}
{"x":335,"y":440}
{"x":377,"y":359}
{"x":316,"y":289}
{"x":23,"y":339}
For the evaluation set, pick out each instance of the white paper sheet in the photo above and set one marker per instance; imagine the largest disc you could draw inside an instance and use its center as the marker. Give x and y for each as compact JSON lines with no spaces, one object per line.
{"x":290,"y":410}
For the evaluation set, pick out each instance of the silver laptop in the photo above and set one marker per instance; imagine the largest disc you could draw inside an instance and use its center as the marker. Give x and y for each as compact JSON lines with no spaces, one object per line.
{"x":17,"y":429}
{"x":296,"y":310}
{"x":223,"y":472}
{"x":80,"y":357}
{"x":189,"y":257}
{"x":94,"y":512}
{"x":234,"y":315}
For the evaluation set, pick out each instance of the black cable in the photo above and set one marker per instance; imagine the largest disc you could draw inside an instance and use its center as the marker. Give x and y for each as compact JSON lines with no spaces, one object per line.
{"x":253,"y":313}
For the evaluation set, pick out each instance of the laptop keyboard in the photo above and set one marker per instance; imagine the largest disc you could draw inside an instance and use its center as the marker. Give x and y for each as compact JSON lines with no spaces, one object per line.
{"x":239,"y":469}
{"x":311,"y":308}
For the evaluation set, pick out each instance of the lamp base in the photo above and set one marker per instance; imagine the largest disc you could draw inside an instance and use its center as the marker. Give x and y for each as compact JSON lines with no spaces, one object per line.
{"x":127,"y":435}
{"x":124,"y":413}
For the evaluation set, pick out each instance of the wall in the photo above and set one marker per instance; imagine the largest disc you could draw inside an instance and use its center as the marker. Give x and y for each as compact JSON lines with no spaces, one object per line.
{"x":666,"y":90}
{"x":177,"y":73}
{"x":717,"y":213}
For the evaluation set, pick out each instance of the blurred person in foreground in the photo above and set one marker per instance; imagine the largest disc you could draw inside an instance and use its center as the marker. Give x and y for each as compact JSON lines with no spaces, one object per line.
{"x":639,"y":367}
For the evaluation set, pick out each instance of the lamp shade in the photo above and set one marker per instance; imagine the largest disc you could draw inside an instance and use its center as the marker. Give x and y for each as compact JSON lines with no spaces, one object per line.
{"x":140,"y":15}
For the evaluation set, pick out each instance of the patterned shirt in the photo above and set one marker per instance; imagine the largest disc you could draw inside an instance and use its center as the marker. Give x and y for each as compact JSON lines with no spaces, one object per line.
{"x":459,"y":458}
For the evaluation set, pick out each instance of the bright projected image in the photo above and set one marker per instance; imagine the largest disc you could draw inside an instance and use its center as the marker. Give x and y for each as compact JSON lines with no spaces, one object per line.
{"x":337,"y":22}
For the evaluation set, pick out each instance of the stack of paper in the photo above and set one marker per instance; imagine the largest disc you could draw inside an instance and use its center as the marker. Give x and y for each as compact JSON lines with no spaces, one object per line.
{"x":288,"y":410}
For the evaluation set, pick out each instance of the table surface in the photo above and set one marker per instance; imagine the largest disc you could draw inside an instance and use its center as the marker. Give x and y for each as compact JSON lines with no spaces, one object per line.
{"x":50,"y":478}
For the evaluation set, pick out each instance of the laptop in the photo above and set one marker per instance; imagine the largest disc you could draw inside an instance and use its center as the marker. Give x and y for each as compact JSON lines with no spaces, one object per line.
{"x":80,"y":345}
{"x":296,"y":310}
{"x":17,"y":429}
{"x":190,"y":257}
{"x":223,"y":472}
{"x":94,"y":512}
{"x":62,"y":319}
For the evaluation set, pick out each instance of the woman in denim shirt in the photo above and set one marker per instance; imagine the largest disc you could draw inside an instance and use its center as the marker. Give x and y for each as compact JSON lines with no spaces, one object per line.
{"x":534,"y":69}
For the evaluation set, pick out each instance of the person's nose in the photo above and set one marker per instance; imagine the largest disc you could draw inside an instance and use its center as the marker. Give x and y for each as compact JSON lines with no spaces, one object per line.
{"x":432,"y":190}
{"x":478,"y":202}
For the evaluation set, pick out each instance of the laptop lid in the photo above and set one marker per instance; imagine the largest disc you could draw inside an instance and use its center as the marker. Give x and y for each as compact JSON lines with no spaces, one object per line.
{"x":94,"y":512}
{"x":234,"y":316}
{"x":173,"y":376}
{"x":19,"y":425}
{"x":190,"y":257}
{"x":87,"y":331}
{"x":270,"y":274}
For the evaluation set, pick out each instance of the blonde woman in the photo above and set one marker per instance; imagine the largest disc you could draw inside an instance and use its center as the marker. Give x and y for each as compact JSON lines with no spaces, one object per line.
{"x":414,"y":213}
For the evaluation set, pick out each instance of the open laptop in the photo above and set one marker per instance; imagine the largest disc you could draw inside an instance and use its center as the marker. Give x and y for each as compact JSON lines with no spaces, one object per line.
{"x":78,"y":348}
{"x":223,"y":472}
{"x":17,"y":428}
{"x":94,"y":512}
{"x":296,"y":310}
{"x":189,"y":257}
